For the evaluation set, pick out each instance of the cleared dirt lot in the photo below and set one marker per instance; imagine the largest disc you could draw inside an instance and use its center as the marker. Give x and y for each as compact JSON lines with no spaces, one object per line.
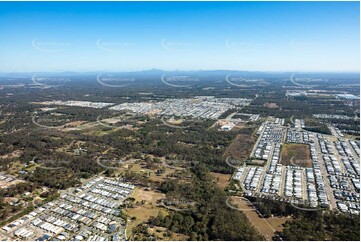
{"x":266,"y":226}
{"x":242,"y":145}
{"x":296,"y":155}
{"x":270,"y":105}
{"x":221,"y":180}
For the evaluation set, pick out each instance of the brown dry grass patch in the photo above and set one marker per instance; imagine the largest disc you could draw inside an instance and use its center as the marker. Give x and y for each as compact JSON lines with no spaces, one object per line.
{"x":221,"y":180}
{"x":143,"y":212}
{"x":241,"y":146}
{"x":300,"y":152}
{"x":265,"y":226}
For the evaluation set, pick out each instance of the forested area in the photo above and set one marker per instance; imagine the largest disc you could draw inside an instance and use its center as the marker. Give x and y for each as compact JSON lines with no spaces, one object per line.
{"x":210,"y":218}
{"x":322,"y":226}
{"x":311,"y":225}
{"x":301,"y":107}
{"x":51,"y":147}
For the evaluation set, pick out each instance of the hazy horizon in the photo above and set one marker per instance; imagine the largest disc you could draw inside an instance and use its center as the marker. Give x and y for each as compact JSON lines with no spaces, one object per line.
{"x":181,"y":70}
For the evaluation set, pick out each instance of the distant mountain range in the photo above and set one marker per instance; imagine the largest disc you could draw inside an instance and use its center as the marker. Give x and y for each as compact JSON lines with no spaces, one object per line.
{"x":199,"y":73}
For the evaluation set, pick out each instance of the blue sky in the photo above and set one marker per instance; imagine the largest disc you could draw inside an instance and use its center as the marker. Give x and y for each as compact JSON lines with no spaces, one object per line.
{"x":124,"y":36}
